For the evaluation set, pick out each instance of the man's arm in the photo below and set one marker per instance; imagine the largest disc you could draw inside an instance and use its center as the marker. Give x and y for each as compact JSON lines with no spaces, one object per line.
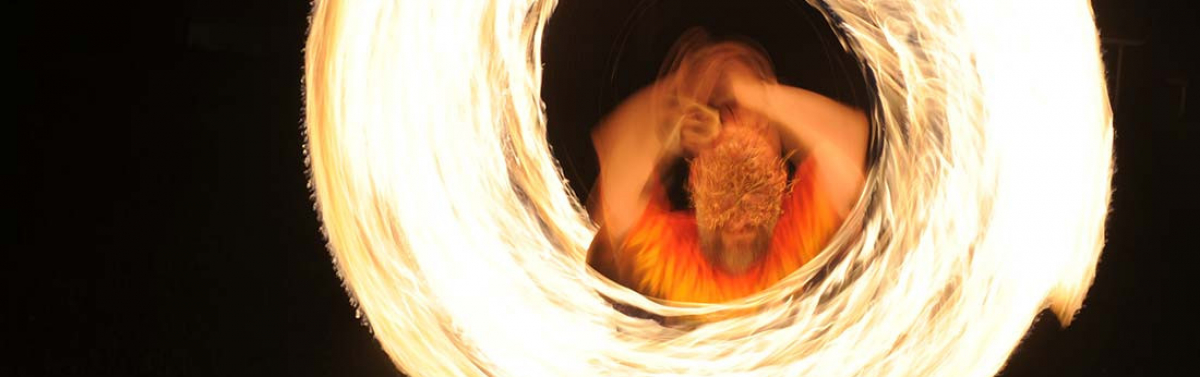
{"x":631,"y":144}
{"x":833,"y":133}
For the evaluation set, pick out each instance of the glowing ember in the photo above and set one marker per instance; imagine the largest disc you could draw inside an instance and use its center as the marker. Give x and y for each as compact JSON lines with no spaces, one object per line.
{"x":453,"y":231}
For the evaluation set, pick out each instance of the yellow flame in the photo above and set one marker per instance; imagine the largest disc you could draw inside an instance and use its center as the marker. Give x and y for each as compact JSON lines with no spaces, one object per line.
{"x":454,"y":233}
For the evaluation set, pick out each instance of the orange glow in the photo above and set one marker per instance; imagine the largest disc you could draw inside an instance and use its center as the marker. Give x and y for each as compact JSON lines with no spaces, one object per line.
{"x":453,"y":231}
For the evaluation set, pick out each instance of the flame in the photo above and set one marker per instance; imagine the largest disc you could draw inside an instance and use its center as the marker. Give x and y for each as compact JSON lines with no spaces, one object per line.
{"x":454,"y":234}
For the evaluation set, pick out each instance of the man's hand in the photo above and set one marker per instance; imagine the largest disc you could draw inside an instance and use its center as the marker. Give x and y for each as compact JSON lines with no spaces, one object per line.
{"x":706,"y":83}
{"x":745,"y":87}
{"x":698,"y":128}
{"x":834,"y":134}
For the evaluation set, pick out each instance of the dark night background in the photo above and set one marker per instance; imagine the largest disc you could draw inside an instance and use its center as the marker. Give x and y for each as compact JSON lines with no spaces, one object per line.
{"x":164,"y":226}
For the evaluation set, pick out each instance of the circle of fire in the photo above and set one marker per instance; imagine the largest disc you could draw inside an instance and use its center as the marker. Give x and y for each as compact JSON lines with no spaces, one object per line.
{"x":454,"y":234}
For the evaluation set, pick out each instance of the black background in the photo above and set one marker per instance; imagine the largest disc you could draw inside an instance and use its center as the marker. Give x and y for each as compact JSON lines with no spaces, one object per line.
{"x":164,"y":226}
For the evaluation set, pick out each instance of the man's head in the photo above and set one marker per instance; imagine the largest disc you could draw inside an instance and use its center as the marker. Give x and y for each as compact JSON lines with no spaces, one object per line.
{"x":737,"y":188}
{"x":737,"y":176}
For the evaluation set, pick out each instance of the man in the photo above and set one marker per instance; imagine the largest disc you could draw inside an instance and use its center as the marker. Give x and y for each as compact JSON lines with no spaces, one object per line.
{"x":751,"y":226}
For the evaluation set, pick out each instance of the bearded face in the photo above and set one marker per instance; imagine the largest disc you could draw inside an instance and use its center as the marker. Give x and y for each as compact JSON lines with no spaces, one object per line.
{"x":737,"y":188}
{"x":737,"y":177}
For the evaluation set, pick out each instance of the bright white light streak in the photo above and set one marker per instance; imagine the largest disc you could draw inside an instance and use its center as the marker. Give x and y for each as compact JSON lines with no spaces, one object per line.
{"x":453,"y":231}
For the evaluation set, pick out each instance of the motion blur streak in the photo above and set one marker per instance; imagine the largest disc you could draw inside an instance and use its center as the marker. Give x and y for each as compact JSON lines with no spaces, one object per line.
{"x":452,"y":229}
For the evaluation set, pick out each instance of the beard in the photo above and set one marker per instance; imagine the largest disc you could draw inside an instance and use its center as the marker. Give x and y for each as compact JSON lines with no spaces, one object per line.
{"x":735,"y":256}
{"x":741,"y":180}
{"x":737,"y":184}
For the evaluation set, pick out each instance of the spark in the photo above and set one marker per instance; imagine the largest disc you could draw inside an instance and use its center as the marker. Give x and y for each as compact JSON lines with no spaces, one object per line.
{"x":453,"y":231}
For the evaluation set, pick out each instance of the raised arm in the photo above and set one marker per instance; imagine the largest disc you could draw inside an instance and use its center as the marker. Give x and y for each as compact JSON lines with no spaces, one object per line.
{"x":632,"y":143}
{"x":832,"y":133}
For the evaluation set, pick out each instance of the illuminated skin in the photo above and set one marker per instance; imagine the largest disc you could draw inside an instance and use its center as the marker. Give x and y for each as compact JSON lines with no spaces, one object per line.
{"x":756,"y":113}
